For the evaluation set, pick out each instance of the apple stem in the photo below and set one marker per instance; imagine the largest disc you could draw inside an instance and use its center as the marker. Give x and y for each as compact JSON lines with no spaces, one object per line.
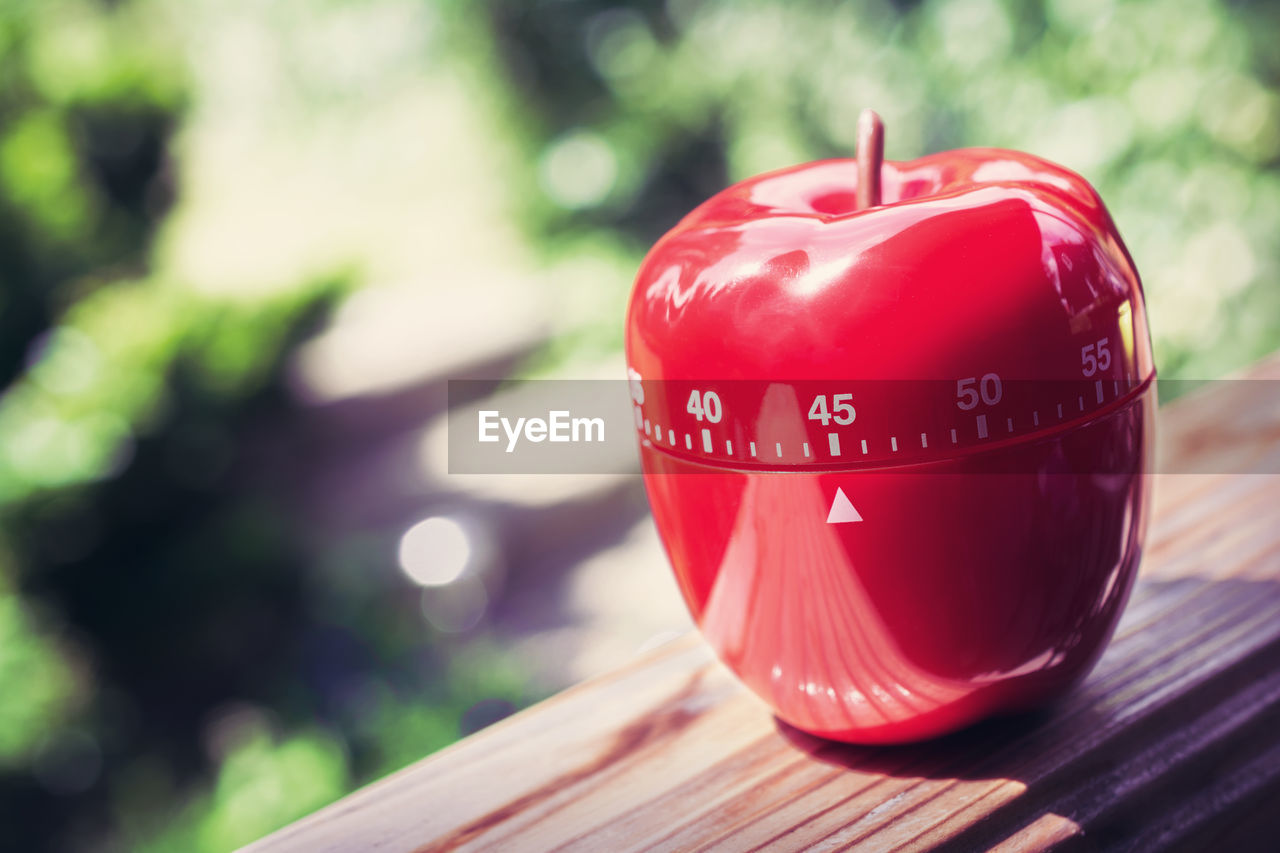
{"x":870,"y":158}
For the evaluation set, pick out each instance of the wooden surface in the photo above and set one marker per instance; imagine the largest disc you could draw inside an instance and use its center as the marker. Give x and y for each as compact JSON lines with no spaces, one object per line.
{"x":1173,"y":741}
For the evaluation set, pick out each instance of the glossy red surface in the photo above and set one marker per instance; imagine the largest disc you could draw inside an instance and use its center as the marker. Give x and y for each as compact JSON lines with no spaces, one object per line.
{"x":918,"y":496}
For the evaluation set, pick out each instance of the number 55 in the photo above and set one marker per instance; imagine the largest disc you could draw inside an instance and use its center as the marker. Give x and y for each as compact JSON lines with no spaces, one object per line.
{"x":1091,"y":362}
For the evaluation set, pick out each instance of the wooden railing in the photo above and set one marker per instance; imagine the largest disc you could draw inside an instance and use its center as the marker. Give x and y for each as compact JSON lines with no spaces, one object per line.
{"x":1173,"y":741}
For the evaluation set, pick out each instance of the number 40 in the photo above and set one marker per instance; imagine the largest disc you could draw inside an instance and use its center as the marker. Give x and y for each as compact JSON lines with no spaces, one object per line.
{"x":705,"y":404}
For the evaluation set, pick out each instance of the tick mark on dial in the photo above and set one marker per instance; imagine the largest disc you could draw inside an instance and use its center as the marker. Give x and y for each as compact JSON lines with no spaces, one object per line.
{"x":706,"y":441}
{"x":833,"y":440}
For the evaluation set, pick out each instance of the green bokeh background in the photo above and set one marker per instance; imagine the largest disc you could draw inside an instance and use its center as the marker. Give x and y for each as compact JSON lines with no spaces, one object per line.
{"x":188,"y":190}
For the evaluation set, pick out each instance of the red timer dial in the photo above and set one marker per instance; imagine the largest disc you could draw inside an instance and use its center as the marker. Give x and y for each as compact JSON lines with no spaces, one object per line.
{"x":896,"y":445}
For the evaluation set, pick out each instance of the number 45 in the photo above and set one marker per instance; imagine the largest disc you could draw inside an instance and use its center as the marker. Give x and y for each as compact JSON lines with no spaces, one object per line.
{"x":840,"y":404}
{"x":1095,"y":357}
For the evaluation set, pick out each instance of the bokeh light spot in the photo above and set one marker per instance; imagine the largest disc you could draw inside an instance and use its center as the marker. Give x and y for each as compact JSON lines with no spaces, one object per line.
{"x":435,"y":551}
{"x":619,"y":43}
{"x":456,"y":608}
{"x":578,"y":170}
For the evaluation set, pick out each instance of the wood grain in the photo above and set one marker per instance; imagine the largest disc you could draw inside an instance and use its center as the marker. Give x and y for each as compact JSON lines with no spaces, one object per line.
{"x":1172,"y":742}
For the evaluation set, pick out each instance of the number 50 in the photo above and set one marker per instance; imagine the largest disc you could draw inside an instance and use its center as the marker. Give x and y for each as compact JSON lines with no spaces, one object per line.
{"x":971,"y":390}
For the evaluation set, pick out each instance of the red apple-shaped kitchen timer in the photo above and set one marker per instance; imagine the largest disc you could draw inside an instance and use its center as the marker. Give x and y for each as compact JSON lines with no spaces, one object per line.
{"x":895,"y":421}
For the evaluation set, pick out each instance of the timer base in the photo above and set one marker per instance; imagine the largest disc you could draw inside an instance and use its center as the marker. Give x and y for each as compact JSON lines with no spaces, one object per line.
{"x":949,"y":593}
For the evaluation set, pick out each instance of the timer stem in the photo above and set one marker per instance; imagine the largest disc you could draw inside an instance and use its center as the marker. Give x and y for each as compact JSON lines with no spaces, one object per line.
{"x":870,"y":158}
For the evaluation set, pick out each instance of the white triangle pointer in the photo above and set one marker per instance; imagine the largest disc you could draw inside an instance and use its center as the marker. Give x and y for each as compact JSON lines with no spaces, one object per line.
{"x":842,"y":509}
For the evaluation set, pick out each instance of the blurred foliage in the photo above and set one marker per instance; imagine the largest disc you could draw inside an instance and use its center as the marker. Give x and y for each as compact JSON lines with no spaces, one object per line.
{"x":1169,"y":107}
{"x":180,"y":670}
{"x":178,"y":673}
